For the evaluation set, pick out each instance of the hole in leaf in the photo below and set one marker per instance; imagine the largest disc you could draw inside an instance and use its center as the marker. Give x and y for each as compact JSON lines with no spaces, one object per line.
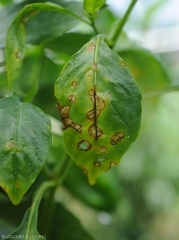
{"x":101,"y":159}
{"x":84,"y":145}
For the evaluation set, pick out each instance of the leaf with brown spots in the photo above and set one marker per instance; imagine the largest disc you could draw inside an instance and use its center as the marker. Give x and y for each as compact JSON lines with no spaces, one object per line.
{"x":25,"y":138}
{"x":107,"y":107}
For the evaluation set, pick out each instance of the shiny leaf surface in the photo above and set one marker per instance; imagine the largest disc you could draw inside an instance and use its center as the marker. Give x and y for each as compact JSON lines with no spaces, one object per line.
{"x":24,"y":143}
{"x":99,"y":104}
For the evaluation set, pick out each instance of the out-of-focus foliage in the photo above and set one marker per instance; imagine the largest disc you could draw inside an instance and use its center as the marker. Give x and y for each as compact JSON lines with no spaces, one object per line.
{"x":139,"y":200}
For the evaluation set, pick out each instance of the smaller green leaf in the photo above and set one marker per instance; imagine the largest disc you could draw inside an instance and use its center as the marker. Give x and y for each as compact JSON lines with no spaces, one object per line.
{"x":24,"y":143}
{"x":92,"y":6}
{"x":22,"y":233}
{"x":16,"y":36}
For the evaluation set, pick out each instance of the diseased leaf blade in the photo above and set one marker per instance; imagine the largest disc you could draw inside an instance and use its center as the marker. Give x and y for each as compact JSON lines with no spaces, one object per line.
{"x":92,"y":6}
{"x":100,"y":107}
{"x":24,"y":143}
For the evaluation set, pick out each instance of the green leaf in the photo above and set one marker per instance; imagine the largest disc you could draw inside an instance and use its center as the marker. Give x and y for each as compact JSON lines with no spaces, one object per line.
{"x":92,"y":6}
{"x":16,"y":36}
{"x":99,"y":104}
{"x":58,"y":23}
{"x":22,"y":232}
{"x":147,"y":69}
{"x":24,"y":143}
{"x":28,"y":227}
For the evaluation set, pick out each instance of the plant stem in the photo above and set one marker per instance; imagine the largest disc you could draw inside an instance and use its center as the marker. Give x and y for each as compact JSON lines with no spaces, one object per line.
{"x":49,"y":205}
{"x":36,"y":201}
{"x":121,"y":23}
{"x":94,"y":27}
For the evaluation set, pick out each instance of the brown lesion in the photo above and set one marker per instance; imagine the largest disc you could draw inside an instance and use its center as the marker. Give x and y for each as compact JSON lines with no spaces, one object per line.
{"x":72,"y":98}
{"x":94,"y":131}
{"x":93,"y":114}
{"x":103,"y":149}
{"x":84,"y":145}
{"x":123,"y":64}
{"x":94,"y":67}
{"x":74,"y":83}
{"x":18,"y":183}
{"x":17,"y":55}
{"x":97,"y":164}
{"x":66,"y":120}
{"x":84,"y":170}
{"x":116,"y":138}
{"x":91,"y":47}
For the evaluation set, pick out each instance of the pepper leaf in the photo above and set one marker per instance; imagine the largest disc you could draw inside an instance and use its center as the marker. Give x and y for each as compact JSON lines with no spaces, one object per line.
{"x":16,"y":36}
{"x":24,"y":143}
{"x":22,"y":232}
{"x":92,"y":6}
{"x":99,"y":104}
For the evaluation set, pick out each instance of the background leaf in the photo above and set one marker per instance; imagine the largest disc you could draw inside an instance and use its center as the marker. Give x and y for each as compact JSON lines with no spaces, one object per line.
{"x":98,"y":133}
{"x":65,"y":225}
{"x":139,"y":62}
{"x":92,"y":6}
{"x":24,"y":130}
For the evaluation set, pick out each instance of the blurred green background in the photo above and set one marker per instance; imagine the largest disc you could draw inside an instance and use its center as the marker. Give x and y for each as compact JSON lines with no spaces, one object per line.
{"x":138,"y":199}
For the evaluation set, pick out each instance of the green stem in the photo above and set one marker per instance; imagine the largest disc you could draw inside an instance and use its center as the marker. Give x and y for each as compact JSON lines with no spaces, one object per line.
{"x":121,"y":23}
{"x":49,"y":210}
{"x":161,"y":91}
{"x":94,"y":27}
{"x":36,"y":201}
{"x":49,"y":207}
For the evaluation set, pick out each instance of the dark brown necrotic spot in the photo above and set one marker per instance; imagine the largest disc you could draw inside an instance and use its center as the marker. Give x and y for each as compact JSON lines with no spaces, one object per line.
{"x":117,"y":137}
{"x":95,"y":131}
{"x":97,"y":164}
{"x":84,"y":145}
{"x":72,"y":98}
{"x":103,"y":149}
{"x":67,"y":121}
{"x":91,"y":47}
